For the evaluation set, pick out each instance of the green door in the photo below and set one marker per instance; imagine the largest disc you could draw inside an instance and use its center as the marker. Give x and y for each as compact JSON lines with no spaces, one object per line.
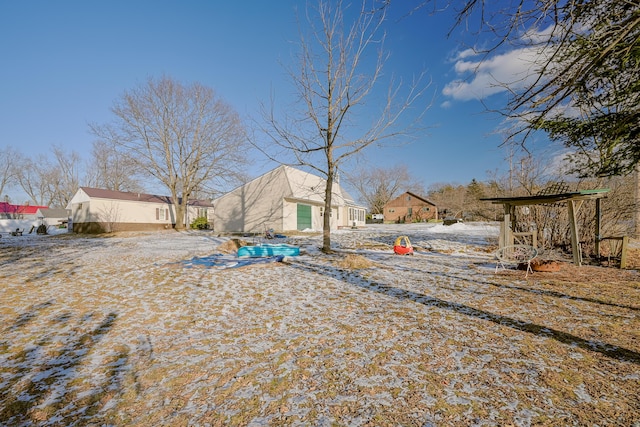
{"x":304,"y":216}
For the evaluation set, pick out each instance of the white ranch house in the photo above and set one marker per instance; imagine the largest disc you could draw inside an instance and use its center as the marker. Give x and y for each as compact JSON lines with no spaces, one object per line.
{"x":284,"y":199}
{"x":95,"y":210}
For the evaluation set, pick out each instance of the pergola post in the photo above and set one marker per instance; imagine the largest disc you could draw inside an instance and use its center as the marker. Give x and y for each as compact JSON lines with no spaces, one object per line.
{"x":598,"y":221}
{"x":575,"y":236}
{"x":573,"y":200}
{"x":506,"y":233}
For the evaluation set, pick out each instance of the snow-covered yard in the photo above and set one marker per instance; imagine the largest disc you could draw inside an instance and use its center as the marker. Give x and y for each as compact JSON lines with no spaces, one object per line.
{"x":117,"y":330}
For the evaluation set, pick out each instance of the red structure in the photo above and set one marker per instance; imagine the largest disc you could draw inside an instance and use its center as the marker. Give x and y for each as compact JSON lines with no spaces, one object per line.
{"x":9,"y":211}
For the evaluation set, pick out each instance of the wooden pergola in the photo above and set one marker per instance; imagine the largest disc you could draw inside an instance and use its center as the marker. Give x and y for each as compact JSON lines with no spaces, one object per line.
{"x":573,"y":201}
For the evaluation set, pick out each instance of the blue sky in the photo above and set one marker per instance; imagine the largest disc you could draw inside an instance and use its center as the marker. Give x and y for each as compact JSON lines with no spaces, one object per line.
{"x":64,"y":63}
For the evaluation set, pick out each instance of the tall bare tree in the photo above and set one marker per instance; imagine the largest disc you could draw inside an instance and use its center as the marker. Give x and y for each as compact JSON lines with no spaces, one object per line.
{"x":586,"y":87}
{"x":65,"y":176}
{"x":183,"y":136}
{"x":583,"y":88}
{"x":9,"y":158}
{"x":377,"y":186}
{"x":37,"y":177}
{"x":110,"y":169}
{"x":340,"y":64}
{"x":449,"y":197}
{"x":50,"y":180}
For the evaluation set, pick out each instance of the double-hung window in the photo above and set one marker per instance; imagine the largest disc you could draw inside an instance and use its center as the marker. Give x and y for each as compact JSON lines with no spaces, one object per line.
{"x":162,"y":214}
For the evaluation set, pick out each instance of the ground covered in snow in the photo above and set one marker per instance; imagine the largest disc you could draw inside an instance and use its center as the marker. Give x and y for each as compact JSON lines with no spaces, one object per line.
{"x":126,"y":330}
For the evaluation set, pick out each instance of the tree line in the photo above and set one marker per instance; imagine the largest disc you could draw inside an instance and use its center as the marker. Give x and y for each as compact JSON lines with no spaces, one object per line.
{"x":530,"y":175}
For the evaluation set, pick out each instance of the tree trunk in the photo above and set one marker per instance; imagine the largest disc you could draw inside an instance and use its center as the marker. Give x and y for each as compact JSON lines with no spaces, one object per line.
{"x":326,"y":224}
{"x":179,"y":208}
{"x":179,"y":216}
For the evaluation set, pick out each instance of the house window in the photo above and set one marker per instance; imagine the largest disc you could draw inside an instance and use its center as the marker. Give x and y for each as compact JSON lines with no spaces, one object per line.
{"x":162,"y":214}
{"x":202,"y":213}
{"x":356,"y":214}
{"x":425,"y":209}
{"x":408,"y":198}
{"x":410,"y":211}
{"x":391,"y":210}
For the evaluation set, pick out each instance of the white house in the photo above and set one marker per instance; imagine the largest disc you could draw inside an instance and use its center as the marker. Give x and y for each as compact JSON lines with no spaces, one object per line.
{"x":284,"y":199}
{"x":53,"y":217}
{"x":95,"y":210}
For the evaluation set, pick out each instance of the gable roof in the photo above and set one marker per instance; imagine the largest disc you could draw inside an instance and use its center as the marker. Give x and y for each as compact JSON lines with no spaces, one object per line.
{"x":100,"y":193}
{"x":416,"y":197}
{"x":421,"y":198}
{"x":305,"y":185}
{"x":8,"y":208}
{"x":53,"y":212}
{"x":294,"y":184}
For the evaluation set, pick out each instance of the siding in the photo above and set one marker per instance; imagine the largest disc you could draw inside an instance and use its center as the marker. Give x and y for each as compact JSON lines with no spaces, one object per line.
{"x":409,"y":208}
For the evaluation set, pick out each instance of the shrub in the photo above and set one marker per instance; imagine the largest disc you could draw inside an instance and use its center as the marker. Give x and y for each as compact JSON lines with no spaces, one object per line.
{"x":200,"y":223}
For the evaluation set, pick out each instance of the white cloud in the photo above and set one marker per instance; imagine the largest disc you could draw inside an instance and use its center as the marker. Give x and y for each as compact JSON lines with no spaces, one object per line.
{"x":480,"y":79}
{"x":479,"y":76}
{"x":467,"y":53}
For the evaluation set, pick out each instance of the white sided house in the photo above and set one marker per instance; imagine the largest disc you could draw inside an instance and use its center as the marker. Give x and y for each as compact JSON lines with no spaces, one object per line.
{"x":284,"y":199}
{"x":52,"y":217}
{"x":95,"y":210}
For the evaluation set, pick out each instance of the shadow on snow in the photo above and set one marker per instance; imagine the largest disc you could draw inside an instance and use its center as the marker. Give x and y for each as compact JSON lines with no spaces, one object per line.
{"x":355,"y":279}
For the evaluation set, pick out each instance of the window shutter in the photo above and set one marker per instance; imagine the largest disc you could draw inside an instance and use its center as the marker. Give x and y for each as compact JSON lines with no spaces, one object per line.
{"x":157,"y":213}
{"x":166,"y":214}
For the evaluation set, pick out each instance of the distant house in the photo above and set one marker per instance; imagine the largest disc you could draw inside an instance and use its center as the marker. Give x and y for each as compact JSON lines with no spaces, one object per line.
{"x":95,"y":210}
{"x":285,"y":199}
{"x":53,"y":217}
{"x":26,"y":211}
{"x":409,"y":207}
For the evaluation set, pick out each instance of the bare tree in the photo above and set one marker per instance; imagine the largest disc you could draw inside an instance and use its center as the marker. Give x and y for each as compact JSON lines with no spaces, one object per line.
{"x":111,"y":169}
{"x":377,"y":186}
{"x":585,"y":93}
{"x":582,"y":88}
{"x":36,"y":177}
{"x":9,"y":158}
{"x":449,"y":198}
{"x":334,"y":78}
{"x":65,"y":175}
{"x":183,"y":136}
{"x":50,"y":180}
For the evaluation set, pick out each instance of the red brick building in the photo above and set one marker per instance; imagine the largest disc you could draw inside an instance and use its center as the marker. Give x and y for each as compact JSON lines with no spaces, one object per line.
{"x":409,"y":207}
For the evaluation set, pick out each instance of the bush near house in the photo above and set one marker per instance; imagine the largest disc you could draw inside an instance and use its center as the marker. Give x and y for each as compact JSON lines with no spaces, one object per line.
{"x":200,"y":223}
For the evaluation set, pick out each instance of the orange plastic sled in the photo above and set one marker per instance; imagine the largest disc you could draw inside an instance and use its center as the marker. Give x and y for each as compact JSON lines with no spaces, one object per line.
{"x":402,"y":246}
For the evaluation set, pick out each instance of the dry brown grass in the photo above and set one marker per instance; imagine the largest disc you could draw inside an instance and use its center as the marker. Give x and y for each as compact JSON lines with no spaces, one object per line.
{"x":231,"y":246}
{"x":104,"y":336}
{"x":355,"y":262}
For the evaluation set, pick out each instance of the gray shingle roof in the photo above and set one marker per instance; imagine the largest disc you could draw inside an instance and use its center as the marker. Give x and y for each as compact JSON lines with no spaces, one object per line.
{"x":101,"y":193}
